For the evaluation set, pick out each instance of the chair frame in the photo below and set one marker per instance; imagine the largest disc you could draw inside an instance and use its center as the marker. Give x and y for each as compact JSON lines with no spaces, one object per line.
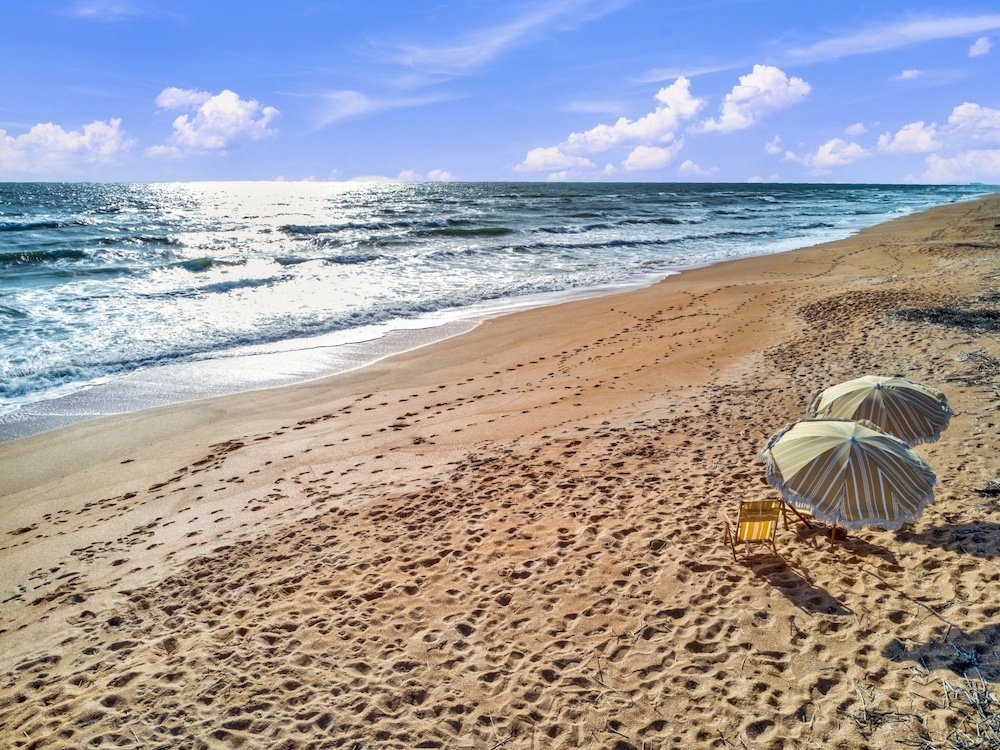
{"x":755,"y":512}
{"x":748,"y":530}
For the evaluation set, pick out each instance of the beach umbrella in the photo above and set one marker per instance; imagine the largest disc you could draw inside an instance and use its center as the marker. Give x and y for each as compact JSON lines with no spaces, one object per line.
{"x":912,"y":412}
{"x":848,"y":473}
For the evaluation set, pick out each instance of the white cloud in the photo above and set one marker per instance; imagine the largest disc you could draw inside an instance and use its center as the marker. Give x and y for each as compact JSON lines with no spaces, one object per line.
{"x":761,"y":91}
{"x":659,"y":126}
{"x":834,"y":153}
{"x":915,"y":138}
{"x":955,"y":150}
{"x":48,"y":147}
{"x":976,"y":165}
{"x":115,"y":10}
{"x":857,"y":128}
{"x":341,"y":105}
{"x":435,"y":175}
{"x":969,"y":125}
{"x":973,"y":123}
{"x":879,"y":39}
{"x":440,"y":175}
{"x":690,"y":169}
{"x":649,"y":157}
{"x":175,"y":98}
{"x":980,"y":47}
{"x":537,"y":21}
{"x":657,"y":75}
{"x":218,"y":120}
{"x":910,"y":75}
{"x":653,"y":137}
{"x":774,"y":146}
{"x":551,"y":158}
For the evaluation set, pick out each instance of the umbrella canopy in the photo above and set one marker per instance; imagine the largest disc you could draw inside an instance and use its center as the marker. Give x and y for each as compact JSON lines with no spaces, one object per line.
{"x":912,"y":412}
{"x":848,"y":473}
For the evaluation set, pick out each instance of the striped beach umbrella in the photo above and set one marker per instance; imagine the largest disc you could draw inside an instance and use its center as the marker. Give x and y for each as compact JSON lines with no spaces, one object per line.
{"x":912,"y":412}
{"x":848,"y":473}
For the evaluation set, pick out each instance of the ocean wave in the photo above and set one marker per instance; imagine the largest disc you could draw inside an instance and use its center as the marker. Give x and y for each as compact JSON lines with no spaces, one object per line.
{"x":197,"y":264}
{"x":223,"y":287}
{"x":661,"y":220}
{"x":352,"y":260}
{"x":140,"y":239}
{"x":308,"y":230}
{"x":455,"y":231}
{"x":615,"y":243}
{"x":24,"y":257}
{"x":34,"y":226}
{"x":12,"y":312}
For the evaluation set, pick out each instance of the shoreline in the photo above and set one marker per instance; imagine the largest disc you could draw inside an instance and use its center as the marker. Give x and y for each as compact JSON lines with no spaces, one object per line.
{"x":289,"y":363}
{"x":281,"y":364}
{"x":512,"y":534}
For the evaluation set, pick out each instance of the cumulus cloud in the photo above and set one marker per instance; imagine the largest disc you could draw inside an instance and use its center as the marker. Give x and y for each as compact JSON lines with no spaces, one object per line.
{"x":550,"y":159}
{"x":765,"y":89}
{"x":689,"y":169}
{"x":915,"y":138}
{"x":675,"y":104}
{"x":217,"y":121}
{"x":652,"y":138}
{"x":909,"y":75}
{"x":48,"y":147}
{"x":175,"y":98}
{"x":980,"y":47}
{"x":974,"y":123}
{"x":973,"y":165}
{"x":649,"y":157}
{"x":774,"y":145}
{"x":857,"y":128}
{"x":834,"y":153}
{"x":435,"y":175}
{"x":957,"y":150}
{"x":969,"y":125}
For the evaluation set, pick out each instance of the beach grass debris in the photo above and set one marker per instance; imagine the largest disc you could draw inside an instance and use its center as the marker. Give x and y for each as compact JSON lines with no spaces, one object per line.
{"x":979,"y":320}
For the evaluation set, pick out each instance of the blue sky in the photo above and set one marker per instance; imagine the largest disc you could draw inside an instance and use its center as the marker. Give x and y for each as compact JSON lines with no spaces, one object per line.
{"x":609,"y":90}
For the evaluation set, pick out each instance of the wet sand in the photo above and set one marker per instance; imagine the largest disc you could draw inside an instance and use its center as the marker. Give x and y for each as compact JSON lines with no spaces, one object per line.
{"x":511,"y":538}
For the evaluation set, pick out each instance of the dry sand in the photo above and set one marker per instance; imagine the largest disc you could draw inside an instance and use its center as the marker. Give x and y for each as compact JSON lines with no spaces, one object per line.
{"x":512,"y":539}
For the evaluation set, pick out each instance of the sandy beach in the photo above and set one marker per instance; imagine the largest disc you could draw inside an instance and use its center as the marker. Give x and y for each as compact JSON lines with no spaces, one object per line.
{"x":511,"y":538}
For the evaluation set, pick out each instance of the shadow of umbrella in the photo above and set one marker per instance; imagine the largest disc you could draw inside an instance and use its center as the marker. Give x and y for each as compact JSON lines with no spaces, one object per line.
{"x":976,"y":538}
{"x":967,"y":654}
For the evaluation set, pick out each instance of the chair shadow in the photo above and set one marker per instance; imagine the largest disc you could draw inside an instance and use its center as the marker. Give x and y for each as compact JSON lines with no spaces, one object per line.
{"x":977,"y":538}
{"x":799,"y":591}
{"x":971,"y":654}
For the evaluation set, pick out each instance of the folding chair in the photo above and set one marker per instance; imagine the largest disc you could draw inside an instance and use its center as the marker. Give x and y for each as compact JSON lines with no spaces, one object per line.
{"x":756,"y":524}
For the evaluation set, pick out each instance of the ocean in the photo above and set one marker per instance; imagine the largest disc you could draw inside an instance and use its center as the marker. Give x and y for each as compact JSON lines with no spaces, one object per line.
{"x":116,"y":297}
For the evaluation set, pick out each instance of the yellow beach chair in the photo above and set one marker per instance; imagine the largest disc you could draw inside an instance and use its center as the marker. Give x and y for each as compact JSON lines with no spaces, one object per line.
{"x":756,"y":524}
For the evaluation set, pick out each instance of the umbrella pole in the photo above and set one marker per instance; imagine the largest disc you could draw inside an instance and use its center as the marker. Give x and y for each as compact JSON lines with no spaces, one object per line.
{"x":833,"y":533}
